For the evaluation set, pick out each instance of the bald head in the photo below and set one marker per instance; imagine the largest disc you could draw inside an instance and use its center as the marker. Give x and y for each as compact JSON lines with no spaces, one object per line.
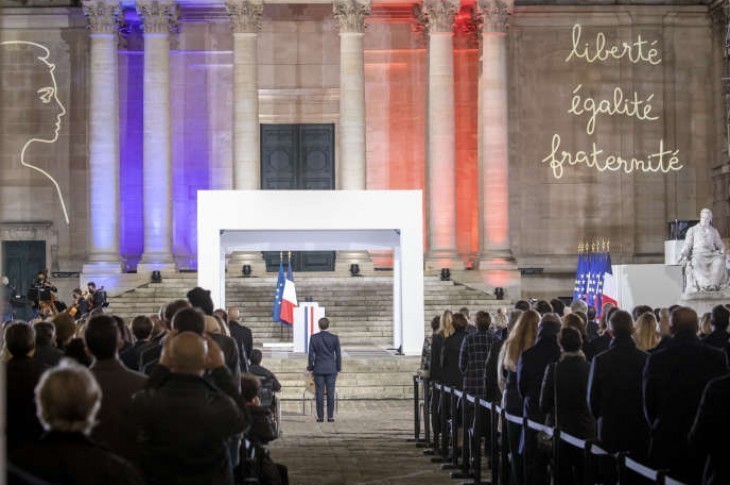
{"x":187,"y":353}
{"x":683,"y":320}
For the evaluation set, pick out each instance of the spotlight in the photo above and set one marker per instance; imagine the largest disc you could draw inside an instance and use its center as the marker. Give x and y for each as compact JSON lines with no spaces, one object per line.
{"x":499,"y":293}
{"x":354,"y":270}
{"x":156,"y":277}
{"x":246,"y":270}
{"x":445,"y":274}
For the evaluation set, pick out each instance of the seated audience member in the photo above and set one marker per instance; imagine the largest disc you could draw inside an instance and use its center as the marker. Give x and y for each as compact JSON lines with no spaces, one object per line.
{"x":674,"y":379}
{"x":184,"y":423}
{"x":22,"y":373}
{"x":242,"y":335}
{"x":262,"y":430}
{"x":76,"y":350}
{"x":530,"y":371}
{"x":563,"y":398}
{"x":718,"y":338}
{"x":142,"y":331}
{"x":710,"y":430}
{"x":65,"y":330}
{"x":149,"y":354}
{"x":645,"y":329}
{"x":124,"y":333}
{"x":45,"y":346}
{"x":615,"y":395}
{"x":200,"y":298}
{"x":118,"y":384}
{"x":68,"y":399}
{"x":263,"y":373}
{"x":215,"y":328}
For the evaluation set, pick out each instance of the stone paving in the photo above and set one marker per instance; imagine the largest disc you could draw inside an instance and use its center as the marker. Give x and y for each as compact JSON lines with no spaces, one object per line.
{"x":365,"y":445}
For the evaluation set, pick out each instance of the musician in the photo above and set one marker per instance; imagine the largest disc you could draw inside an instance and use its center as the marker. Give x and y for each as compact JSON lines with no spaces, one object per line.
{"x":46,"y":294}
{"x":97,"y":297}
{"x":80,"y":306}
{"x":8,"y":294}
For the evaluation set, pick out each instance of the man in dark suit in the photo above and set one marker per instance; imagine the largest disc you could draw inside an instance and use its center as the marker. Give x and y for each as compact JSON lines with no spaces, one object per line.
{"x":142,"y":327}
{"x":674,"y":379}
{"x":149,"y":354}
{"x":530,"y":372}
{"x":710,"y":430}
{"x":242,"y":335}
{"x":719,"y":336}
{"x":45,"y":349}
{"x":118,"y":385}
{"x":615,"y":394}
{"x":325,"y":361}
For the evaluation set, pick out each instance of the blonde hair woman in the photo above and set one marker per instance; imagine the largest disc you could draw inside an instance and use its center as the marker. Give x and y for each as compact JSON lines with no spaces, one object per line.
{"x":645,"y":333}
{"x":521,"y":338}
{"x":447,"y":324}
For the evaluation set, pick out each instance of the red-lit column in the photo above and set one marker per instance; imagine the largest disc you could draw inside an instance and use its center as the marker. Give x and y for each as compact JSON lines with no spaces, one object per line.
{"x":438,"y":17}
{"x":495,"y":251}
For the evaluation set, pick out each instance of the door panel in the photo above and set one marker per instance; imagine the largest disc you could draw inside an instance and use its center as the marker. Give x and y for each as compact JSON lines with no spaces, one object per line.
{"x":21,"y":261}
{"x":298,"y":157}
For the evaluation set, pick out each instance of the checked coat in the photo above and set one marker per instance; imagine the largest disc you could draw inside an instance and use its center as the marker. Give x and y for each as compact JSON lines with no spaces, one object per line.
{"x":472,"y":360}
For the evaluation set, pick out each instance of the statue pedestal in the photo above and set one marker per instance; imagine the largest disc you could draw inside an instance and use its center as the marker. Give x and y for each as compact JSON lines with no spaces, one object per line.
{"x":704,"y":301}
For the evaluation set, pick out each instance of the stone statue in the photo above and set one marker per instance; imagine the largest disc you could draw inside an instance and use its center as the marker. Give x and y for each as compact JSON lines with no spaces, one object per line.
{"x":703,"y":257}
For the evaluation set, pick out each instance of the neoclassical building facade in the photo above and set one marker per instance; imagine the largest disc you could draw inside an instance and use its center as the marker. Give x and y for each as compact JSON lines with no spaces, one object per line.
{"x":530,"y":126}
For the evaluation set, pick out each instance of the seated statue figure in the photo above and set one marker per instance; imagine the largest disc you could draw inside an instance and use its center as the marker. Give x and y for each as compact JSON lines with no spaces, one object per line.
{"x":703,"y":257}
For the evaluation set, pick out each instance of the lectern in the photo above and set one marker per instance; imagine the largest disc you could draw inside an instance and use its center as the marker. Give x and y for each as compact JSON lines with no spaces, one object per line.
{"x":306,"y":316}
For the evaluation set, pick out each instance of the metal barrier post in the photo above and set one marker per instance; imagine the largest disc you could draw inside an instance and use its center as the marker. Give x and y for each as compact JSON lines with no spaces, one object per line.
{"x":504,"y":450}
{"x":526,"y":451}
{"x":453,"y":435}
{"x":556,"y":455}
{"x":494,"y":443}
{"x":476,"y":448}
{"x":621,"y":467}
{"x":438,"y":437}
{"x":465,"y":444}
{"x":661,"y":477}
{"x":589,"y":463}
{"x":416,"y":412}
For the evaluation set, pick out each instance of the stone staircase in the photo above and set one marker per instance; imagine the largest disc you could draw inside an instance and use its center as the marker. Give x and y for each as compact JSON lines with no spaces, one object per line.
{"x":360,"y":309}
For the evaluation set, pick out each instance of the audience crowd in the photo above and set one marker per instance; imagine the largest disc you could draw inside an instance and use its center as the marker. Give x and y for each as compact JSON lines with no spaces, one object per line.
{"x":651,"y":383}
{"x":166,"y":400}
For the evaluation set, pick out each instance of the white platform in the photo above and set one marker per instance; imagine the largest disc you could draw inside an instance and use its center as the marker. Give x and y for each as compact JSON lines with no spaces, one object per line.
{"x":311,"y":220}
{"x":656,"y":285}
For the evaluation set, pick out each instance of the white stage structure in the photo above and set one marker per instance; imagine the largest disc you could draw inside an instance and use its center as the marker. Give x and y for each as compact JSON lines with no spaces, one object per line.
{"x":314,"y":220}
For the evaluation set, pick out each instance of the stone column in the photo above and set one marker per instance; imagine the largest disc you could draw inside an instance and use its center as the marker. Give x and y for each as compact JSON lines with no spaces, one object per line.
{"x":495,"y":251}
{"x":352,"y":168}
{"x":438,"y":18}
{"x":246,"y":24}
{"x":158,"y":17}
{"x":103,"y":182}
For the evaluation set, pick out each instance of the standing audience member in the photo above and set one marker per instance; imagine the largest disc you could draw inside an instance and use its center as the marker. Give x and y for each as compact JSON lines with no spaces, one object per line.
{"x":65,"y":330}
{"x":718,"y":338}
{"x":639,"y":310}
{"x":117,"y":384}
{"x":543,"y":308}
{"x":262,"y":372}
{"x":22,"y":373}
{"x":521,"y":338}
{"x":491,"y":372}
{"x":603,"y":341}
{"x":68,"y":399}
{"x":665,"y":336}
{"x":674,"y":379}
{"x":592,"y":325}
{"x":646,"y":336}
{"x":325,"y":362}
{"x":575,"y":321}
{"x":424,"y":368}
{"x":452,"y":375}
{"x":523,"y":305}
{"x":563,"y":397}
{"x":436,"y":371}
{"x":45,"y":347}
{"x":142,"y":330}
{"x":185,"y":423}
{"x":558,"y":307}
{"x":710,"y":430}
{"x":615,"y":393}
{"x":242,"y":335}
{"x":124,"y":333}
{"x":579,"y":306}
{"x":705,"y":327}
{"x":530,"y":371}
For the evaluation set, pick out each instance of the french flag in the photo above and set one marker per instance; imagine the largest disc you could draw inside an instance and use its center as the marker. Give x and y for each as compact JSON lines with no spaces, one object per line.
{"x":288,"y":298}
{"x":610,"y":285}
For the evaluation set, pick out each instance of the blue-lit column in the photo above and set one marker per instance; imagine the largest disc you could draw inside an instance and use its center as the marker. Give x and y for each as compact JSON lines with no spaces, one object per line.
{"x":158,"y":17}
{"x":103,"y":246}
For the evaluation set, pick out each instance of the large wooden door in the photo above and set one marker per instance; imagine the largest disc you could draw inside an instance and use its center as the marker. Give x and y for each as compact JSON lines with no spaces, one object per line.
{"x":21,"y":262}
{"x":299,"y":157}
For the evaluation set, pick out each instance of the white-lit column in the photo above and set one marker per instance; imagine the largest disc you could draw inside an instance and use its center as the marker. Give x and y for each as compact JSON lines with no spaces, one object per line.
{"x":438,"y":17}
{"x":157,"y":20}
{"x":352,"y":168}
{"x":103,"y":179}
{"x":246,"y":23}
{"x":495,"y":251}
